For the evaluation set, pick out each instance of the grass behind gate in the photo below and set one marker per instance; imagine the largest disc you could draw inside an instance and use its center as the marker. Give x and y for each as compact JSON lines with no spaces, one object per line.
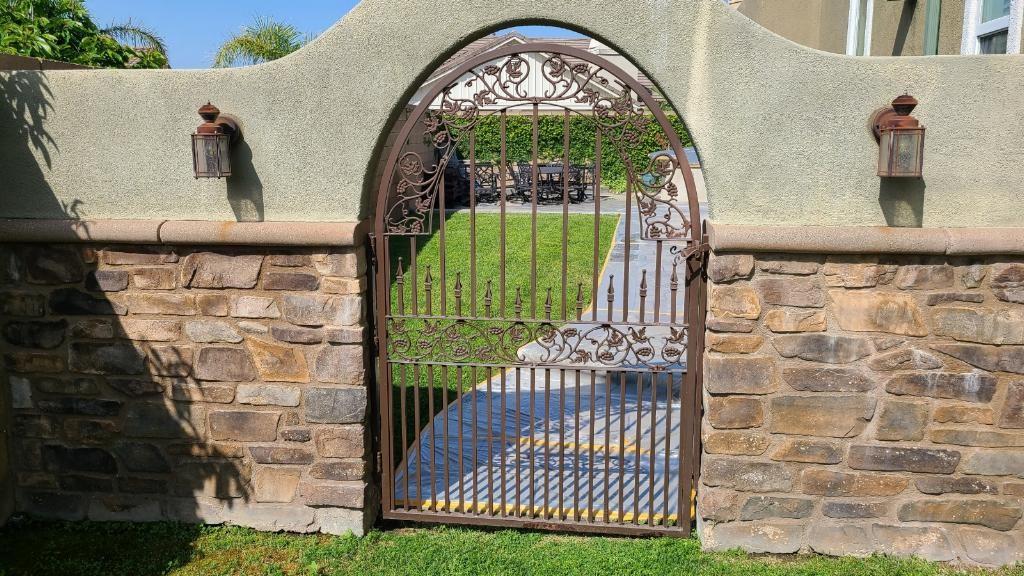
{"x":113,"y":549}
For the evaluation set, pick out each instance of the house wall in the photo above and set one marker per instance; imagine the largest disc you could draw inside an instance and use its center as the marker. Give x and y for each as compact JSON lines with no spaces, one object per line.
{"x":115,"y":144}
{"x":864,"y":403}
{"x":819,"y":24}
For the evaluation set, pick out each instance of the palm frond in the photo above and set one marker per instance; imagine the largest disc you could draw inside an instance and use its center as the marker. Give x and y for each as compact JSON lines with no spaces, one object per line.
{"x":262,"y":41}
{"x":136,"y":36}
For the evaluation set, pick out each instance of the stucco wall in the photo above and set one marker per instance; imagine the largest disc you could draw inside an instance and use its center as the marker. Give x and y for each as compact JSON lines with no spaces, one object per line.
{"x":819,"y":24}
{"x":780,"y":128}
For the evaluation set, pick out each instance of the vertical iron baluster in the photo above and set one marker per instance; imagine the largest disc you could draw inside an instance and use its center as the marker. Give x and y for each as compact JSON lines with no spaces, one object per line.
{"x":579,"y":301}
{"x":519,"y":304}
{"x":504,"y":444}
{"x":475,"y":495}
{"x":442,"y":256}
{"x":444,"y":437}
{"x":416,"y":431}
{"x":611,"y":296}
{"x":565,"y":211}
{"x":462,"y":453}
{"x":597,"y":223}
{"x":533,"y":424}
{"x":519,"y":444}
{"x":400,"y":283}
{"x":561,"y":444}
{"x":428,"y":282}
{"x":547,"y":441}
{"x":607,"y":439}
{"x":431,"y":435}
{"x":533,"y":213}
{"x":577,"y":483}
{"x":643,"y":294}
{"x":547,"y":305}
{"x":501,"y":208}
{"x":428,"y":286}
{"x":458,"y":293}
{"x":653,"y":428}
{"x":657,"y":282}
{"x":472,"y":222}
{"x":627,"y":244}
{"x":673,"y":286}
{"x":490,"y":444}
{"x":622,"y":446}
{"x":415,"y":276}
{"x":666,"y":478}
{"x":591,"y":441}
{"x":637,"y":443}
{"x":488,"y":299}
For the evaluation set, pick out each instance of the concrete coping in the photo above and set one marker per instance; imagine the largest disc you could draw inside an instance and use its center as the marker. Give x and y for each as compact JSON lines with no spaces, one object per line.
{"x":865,"y":239}
{"x":343,"y":234}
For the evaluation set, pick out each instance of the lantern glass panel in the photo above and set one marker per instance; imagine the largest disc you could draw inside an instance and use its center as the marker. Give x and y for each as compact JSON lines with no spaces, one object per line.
{"x":884,"y":149}
{"x":906,"y":155}
{"x":211,"y":153}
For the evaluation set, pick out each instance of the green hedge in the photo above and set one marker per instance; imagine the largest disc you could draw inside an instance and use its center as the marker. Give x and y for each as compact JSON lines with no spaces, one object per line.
{"x":581,"y":143}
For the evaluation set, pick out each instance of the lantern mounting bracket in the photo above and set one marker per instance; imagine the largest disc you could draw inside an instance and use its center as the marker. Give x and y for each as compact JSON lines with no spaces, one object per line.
{"x":895,"y":116}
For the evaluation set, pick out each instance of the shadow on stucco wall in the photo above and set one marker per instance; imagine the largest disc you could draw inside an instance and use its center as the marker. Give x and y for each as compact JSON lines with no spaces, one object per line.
{"x":245,"y":189}
{"x":902,"y":201}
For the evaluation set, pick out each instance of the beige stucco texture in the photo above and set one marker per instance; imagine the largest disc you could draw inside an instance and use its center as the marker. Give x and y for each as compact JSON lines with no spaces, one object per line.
{"x":781,"y":129}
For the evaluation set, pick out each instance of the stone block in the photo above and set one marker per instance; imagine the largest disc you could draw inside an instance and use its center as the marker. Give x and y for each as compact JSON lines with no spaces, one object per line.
{"x":728,"y":302}
{"x":948,"y":485}
{"x":333,"y":285}
{"x":268,"y":395}
{"x":347,"y":264}
{"x":729,"y":267}
{"x":892,"y":458}
{"x":136,"y":388}
{"x":343,"y":469}
{"x":746,"y":476}
{"x":995,"y":463}
{"x":124,"y":508}
{"x":797,"y":292}
{"x":144,"y":420}
{"x":72,"y":302}
{"x":93,"y":358}
{"x":718,"y":505}
{"x":224,"y":363}
{"x":734,"y":343}
{"x":340,"y":364}
{"x":973,"y":275}
{"x":47,"y":264}
{"x":761,"y":507}
{"x":716,"y":324}
{"x":275,"y":484}
{"x":995,"y":514}
{"x":296,"y":281}
{"x":341,"y":441}
{"x":1012,"y":413}
{"x":21,"y":392}
{"x":296,"y":435}
{"x":212,"y":331}
{"x":992,"y":359}
{"x":988,"y":547}
{"x":827,"y":348}
{"x":844,"y":540}
{"x":206,"y":450}
{"x":736,"y":443}
{"x":278,"y":363}
{"x":924,"y":277}
{"x":141,"y":485}
{"x":938,"y":298}
{"x":826,"y":482}
{"x":138,"y":255}
{"x":33,"y":426}
{"x":154,"y":278}
{"x":757,"y":537}
{"x":45,"y":335}
{"x":297,"y":335}
{"x":878,"y":312}
{"x":281,"y":455}
{"x":810,"y":451}
{"x":832,"y":416}
{"x":787,"y":321}
{"x":32,"y":362}
{"x":61,"y":459}
{"x":336,"y":405}
{"x":905,"y":359}
{"x":902,"y":421}
{"x":150,"y":330}
{"x":212,"y":270}
{"x":80,"y":406}
{"x":849,"y":510}
{"x":165,"y":304}
{"x":141,"y":457}
{"x":22,"y":304}
{"x":244,"y":425}
{"x":862,"y":272}
{"x":825,"y":379}
{"x":106,"y":280}
{"x":735,"y":412}
{"x":342,"y":521}
{"x":273,"y":517}
{"x":1001,"y":327}
{"x":211,"y":392}
{"x":71,"y":507}
{"x":326,"y":493}
{"x":971,"y":387}
{"x":169,"y":360}
{"x":740,"y":375}
{"x":254,"y":307}
{"x":985,"y":438}
{"x":82,"y":431}
{"x":793,"y":264}
{"x":77,"y":386}
{"x":958,"y":414}
{"x":1007,"y":282}
{"x":1013,"y":488}
{"x":99,"y":329}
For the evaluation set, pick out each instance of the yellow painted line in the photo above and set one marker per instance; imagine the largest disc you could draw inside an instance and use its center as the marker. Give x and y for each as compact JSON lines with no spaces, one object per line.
{"x":584,"y":446}
{"x":430,"y":505}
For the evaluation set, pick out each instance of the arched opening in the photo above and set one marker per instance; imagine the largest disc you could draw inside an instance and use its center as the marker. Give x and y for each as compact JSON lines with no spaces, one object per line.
{"x":539,"y":303}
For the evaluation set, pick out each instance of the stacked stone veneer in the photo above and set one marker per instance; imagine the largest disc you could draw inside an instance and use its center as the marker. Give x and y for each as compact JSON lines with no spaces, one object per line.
{"x":195,"y":384}
{"x":865,"y":404}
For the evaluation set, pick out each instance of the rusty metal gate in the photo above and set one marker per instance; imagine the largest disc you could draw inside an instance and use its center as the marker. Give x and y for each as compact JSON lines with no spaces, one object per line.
{"x":538,"y":335}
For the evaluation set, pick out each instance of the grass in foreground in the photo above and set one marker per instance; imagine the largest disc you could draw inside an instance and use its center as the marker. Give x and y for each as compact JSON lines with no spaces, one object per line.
{"x":111,"y":549}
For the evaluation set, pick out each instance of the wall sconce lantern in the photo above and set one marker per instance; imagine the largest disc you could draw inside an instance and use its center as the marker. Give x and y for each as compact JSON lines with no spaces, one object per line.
{"x":211,"y":143}
{"x":900,"y":139}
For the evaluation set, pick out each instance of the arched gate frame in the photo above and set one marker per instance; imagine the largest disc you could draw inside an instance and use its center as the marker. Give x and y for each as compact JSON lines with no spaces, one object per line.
{"x":571,"y":402}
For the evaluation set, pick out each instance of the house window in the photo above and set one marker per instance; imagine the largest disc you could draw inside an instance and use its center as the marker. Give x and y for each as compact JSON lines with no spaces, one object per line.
{"x":858,"y":27}
{"x":992,"y":26}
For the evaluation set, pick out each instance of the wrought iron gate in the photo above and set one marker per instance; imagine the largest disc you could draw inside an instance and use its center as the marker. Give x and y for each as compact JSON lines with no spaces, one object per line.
{"x":530,"y":372}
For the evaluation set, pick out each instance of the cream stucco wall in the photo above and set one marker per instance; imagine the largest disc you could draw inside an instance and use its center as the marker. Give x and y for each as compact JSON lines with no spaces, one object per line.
{"x":780,"y":128}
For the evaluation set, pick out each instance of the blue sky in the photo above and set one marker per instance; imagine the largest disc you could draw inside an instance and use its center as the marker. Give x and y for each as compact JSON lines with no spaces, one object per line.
{"x":193,"y":29}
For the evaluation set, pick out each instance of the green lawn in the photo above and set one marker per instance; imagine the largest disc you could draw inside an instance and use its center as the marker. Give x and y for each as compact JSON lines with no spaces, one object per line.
{"x":111,"y":549}
{"x":432,"y":388}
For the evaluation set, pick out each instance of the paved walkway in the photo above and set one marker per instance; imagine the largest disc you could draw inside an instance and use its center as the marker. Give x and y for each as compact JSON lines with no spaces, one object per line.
{"x":565,"y":443}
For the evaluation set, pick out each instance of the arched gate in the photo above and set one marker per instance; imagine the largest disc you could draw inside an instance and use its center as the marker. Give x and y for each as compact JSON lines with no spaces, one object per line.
{"x":539,"y":356}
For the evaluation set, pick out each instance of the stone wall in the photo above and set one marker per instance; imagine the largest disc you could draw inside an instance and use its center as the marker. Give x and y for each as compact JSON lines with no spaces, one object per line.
{"x":865,"y":404}
{"x":194,"y":384}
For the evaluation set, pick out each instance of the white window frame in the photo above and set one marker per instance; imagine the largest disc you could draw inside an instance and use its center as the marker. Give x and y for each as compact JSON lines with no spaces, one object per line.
{"x":853,"y":27}
{"x":974,"y":29}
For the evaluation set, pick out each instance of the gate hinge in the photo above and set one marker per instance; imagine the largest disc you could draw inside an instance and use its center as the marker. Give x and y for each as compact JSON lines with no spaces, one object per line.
{"x":378,"y":463}
{"x":371,"y":249}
